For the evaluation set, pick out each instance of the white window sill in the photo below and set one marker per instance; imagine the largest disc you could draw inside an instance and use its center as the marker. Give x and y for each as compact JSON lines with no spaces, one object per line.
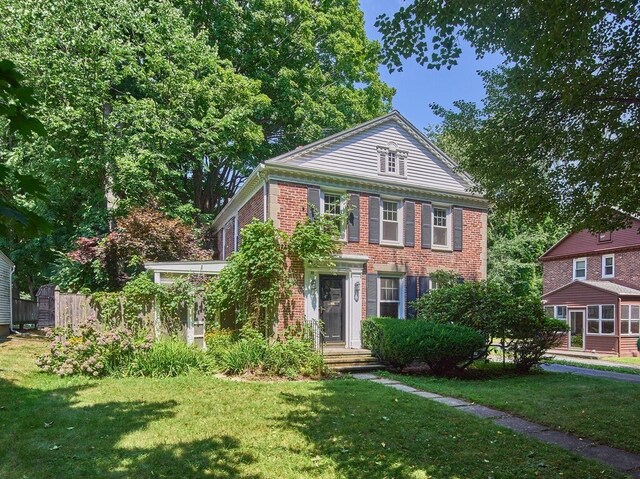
{"x":600,"y":334}
{"x":391,"y":244}
{"x":441,"y":248}
{"x":626,"y":335}
{"x":608,"y":277}
{"x":579,"y":279}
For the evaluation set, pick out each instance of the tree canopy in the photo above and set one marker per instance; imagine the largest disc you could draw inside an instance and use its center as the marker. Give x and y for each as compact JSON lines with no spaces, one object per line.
{"x":559,"y":131}
{"x":173,"y":102}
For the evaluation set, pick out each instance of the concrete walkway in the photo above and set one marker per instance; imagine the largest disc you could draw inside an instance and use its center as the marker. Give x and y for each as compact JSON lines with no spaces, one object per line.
{"x":595,"y":362}
{"x":561,"y":368}
{"x":623,"y":461}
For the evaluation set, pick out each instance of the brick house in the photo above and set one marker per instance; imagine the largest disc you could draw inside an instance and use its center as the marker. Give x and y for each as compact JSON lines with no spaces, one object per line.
{"x":411,"y":213}
{"x":593,"y":282}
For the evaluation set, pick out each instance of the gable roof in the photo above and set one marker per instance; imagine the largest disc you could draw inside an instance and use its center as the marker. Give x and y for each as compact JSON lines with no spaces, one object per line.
{"x":6,"y":259}
{"x":584,"y":243}
{"x":398,"y":119}
{"x":608,"y":286}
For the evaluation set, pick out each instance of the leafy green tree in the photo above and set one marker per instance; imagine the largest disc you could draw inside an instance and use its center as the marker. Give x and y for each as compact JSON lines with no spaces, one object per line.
{"x":313,"y":61}
{"x":559,"y":132}
{"x":17,"y":191}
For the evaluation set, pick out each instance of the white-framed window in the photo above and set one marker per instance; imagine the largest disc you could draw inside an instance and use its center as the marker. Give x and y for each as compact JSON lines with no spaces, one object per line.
{"x":391,"y":219}
{"x":441,"y":226}
{"x":393,"y":161}
{"x":630,"y":319}
{"x":601,"y":319}
{"x":558,"y":312}
{"x":333,"y":204}
{"x":391,"y":296}
{"x":608,"y":266}
{"x":580,"y":268}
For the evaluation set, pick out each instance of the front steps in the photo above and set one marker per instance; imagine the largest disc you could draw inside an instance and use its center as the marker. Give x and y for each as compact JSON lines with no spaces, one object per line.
{"x":342,"y":360}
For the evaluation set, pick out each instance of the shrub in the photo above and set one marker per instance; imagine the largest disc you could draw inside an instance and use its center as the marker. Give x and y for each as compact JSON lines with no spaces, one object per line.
{"x":168,"y":358}
{"x":90,"y":351}
{"x":531,"y":340}
{"x":444,"y":347}
{"x":292,"y":358}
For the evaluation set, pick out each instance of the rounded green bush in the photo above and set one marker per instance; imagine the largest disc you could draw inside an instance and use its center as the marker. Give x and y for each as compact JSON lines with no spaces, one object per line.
{"x":443,"y":347}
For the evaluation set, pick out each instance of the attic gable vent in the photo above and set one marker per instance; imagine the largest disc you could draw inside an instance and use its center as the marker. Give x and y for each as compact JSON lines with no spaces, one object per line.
{"x":392,"y":162}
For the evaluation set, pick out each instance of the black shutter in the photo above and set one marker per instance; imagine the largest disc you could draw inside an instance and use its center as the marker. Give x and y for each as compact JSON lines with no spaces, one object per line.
{"x":374,"y":220}
{"x":313,"y":200}
{"x":423,"y":285}
{"x":372,"y":295}
{"x":457,"y":229}
{"x":409,"y":223}
{"x":426,"y":225}
{"x":460,"y":279}
{"x":353,"y":225}
{"x":412,"y":295}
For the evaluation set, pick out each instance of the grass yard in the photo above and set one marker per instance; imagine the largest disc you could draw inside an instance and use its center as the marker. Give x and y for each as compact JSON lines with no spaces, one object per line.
{"x":624,"y":360}
{"x":197,"y":427}
{"x":603,"y":410}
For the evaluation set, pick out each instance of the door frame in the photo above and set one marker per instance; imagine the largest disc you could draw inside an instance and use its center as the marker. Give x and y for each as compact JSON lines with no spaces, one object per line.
{"x":352,"y":267}
{"x":343,"y":300}
{"x":583,"y":311}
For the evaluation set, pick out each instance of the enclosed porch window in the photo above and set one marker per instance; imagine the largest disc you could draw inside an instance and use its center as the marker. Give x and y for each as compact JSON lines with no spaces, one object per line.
{"x":601,"y":319}
{"x":630,"y":319}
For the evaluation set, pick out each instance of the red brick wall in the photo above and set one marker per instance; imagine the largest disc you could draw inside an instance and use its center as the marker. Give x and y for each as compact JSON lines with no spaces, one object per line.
{"x":229,"y":235}
{"x":557,"y":273}
{"x":292,"y":199}
{"x":254,"y":208}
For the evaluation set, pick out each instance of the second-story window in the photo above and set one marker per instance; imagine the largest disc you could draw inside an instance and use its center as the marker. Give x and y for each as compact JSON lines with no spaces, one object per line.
{"x":608,"y":266}
{"x":580,"y":268}
{"x":390,"y":221}
{"x":332,"y":205}
{"x":440,"y":230}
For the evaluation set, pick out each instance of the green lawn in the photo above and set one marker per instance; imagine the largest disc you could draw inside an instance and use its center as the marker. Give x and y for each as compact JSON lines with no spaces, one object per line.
{"x":625,"y":360}
{"x":603,"y":410}
{"x":201,"y":427}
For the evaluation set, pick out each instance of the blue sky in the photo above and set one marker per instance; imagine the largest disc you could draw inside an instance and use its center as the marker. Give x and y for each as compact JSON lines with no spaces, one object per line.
{"x":416,"y":86}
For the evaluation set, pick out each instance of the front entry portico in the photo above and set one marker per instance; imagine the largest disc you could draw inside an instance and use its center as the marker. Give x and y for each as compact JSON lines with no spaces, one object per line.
{"x":333,"y":299}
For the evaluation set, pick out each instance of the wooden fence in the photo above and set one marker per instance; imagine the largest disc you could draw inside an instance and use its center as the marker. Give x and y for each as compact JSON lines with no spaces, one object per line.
{"x":24,"y":312}
{"x":72,"y":309}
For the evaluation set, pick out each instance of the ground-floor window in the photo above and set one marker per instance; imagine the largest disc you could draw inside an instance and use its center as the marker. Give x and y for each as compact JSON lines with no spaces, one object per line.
{"x":390,"y":299}
{"x":601,"y":319}
{"x":558,"y":312}
{"x":630,"y":319}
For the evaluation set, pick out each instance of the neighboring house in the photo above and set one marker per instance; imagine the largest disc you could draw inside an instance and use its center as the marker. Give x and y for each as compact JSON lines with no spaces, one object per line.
{"x":6,"y":301}
{"x":593,"y":282}
{"x":411,"y":213}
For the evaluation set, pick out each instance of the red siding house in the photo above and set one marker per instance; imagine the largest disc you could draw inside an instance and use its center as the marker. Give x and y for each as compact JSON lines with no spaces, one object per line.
{"x":593,"y":282}
{"x":411,"y":214}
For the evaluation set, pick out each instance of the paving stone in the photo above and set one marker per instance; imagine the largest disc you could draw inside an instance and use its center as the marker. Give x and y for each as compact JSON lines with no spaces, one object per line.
{"x":520,"y":425}
{"x":384,"y":381}
{"x":402,"y":387}
{"x":482,"y":411}
{"x":616,"y":458}
{"x":565,"y":441}
{"x":364,"y":376}
{"x":452,"y":401}
{"x":427,"y":395}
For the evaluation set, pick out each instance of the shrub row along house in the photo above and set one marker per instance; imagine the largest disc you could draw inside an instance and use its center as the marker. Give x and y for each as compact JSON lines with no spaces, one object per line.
{"x":593,"y":282}
{"x":410,"y":212}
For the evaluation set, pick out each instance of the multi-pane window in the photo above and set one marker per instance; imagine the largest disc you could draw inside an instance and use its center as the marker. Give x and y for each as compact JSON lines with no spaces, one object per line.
{"x":580,"y":268}
{"x":608,"y":266}
{"x":332,"y":205}
{"x":558,"y":312}
{"x":390,"y":297}
{"x":601,"y":319}
{"x":392,"y":163}
{"x":390,"y":222}
{"x":440,"y":227}
{"x":630,"y":319}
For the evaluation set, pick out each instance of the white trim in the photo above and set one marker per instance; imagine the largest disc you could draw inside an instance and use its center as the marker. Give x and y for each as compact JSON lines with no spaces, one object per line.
{"x":343,"y":207}
{"x":599,"y":319}
{"x":401,"y":292}
{"x":449,"y":219}
{"x":613,"y":265}
{"x":575,"y":260}
{"x":236,"y":233}
{"x":400,"y":221}
{"x":186,"y":267}
{"x":628,"y":320}
{"x":584,"y":326}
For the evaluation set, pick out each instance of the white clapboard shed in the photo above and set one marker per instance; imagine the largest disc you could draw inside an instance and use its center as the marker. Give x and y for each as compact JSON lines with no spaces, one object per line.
{"x":6,"y":303}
